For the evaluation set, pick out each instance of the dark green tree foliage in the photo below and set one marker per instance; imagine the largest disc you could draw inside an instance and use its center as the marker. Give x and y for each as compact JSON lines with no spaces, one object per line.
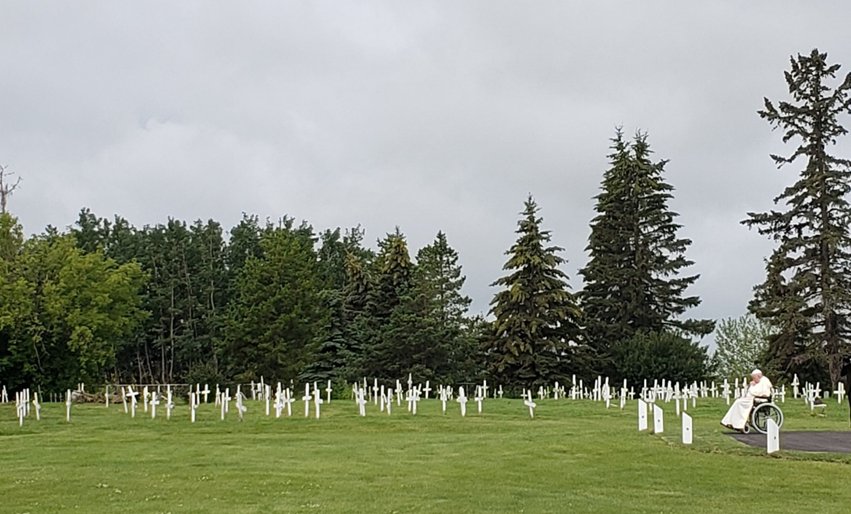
{"x":807,"y":291}
{"x":536,"y":331}
{"x":392,"y":278}
{"x":662,"y":354}
{"x":276,"y":316}
{"x":341,"y":273}
{"x":633,"y":280}
{"x":426,"y":330}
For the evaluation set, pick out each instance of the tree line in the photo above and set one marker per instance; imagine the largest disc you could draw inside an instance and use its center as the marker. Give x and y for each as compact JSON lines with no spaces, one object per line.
{"x":191,"y":302}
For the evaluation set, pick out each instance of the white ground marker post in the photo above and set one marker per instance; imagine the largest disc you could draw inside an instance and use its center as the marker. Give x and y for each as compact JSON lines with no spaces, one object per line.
{"x":658,"y":420}
{"x":687,"y":431}
{"x":773,"y":438}
{"x":642,"y":415}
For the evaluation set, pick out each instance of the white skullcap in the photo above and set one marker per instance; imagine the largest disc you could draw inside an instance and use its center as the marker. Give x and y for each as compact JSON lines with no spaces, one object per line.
{"x":756,"y":372}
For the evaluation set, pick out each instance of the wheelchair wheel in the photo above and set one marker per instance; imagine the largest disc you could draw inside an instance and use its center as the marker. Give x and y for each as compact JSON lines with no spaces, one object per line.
{"x":762,"y":413}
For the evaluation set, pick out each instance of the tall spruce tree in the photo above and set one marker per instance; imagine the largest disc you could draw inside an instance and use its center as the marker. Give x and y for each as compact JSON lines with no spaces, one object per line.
{"x":536,"y":331}
{"x":427,"y":328}
{"x":807,"y":291}
{"x":633,"y":280}
{"x":392,"y":279}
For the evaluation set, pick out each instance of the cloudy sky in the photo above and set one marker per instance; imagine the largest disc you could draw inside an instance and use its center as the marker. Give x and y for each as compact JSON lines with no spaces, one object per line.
{"x":426,"y":115}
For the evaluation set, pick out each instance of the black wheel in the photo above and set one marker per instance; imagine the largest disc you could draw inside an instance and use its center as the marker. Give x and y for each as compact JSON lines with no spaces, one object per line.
{"x":762,"y":413}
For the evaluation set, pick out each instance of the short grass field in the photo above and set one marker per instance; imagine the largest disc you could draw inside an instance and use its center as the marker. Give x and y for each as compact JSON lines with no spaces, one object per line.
{"x":575,"y":456}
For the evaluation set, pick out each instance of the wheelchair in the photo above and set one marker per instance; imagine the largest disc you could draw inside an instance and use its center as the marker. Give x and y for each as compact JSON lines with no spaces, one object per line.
{"x":763,"y":410}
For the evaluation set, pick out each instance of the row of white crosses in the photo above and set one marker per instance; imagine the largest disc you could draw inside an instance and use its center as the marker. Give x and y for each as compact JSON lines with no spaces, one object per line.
{"x":22,"y":405}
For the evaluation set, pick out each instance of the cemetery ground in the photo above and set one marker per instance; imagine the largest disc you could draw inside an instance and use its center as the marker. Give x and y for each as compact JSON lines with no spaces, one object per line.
{"x":574,"y":456}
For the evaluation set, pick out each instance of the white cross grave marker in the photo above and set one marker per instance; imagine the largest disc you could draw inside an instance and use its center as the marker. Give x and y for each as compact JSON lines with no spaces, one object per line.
{"x":530,"y":403}
{"x":37,"y":406}
{"x":328,"y":392}
{"x":462,"y":399}
{"x":361,"y":401}
{"x":68,"y":406}
{"x":155,"y":400}
{"x":317,"y":401}
{"x":132,"y":395}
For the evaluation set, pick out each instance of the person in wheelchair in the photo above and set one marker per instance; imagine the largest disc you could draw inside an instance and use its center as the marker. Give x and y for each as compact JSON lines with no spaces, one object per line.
{"x":759,"y":391}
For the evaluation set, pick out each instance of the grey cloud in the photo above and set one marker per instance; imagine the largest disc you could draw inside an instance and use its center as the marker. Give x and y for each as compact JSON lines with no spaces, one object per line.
{"x":438,"y":116}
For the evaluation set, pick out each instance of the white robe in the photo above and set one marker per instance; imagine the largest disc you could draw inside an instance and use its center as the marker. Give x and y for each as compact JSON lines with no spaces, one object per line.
{"x":738,"y":414}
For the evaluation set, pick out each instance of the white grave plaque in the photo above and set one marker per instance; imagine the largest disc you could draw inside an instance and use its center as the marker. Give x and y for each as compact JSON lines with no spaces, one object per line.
{"x":658,"y":420}
{"x":687,"y":431}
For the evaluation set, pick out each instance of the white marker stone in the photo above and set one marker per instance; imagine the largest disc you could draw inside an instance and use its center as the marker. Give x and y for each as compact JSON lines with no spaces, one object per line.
{"x":687,"y":429}
{"x":642,"y":415}
{"x":773,"y":438}
{"x":658,"y":420}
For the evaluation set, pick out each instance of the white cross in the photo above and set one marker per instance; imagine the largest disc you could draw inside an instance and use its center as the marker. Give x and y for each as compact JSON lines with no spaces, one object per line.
{"x":462,"y":399}
{"x":132,"y":395}
{"x":415,"y":399}
{"x":20,"y":408}
{"x":225,"y":399}
{"x":317,"y":401}
{"x":478,"y":398}
{"x":795,"y":384}
{"x":155,"y":400}
{"x":205,"y":392}
{"x":145,"y":396}
{"x":288,"y":401}
{"x":68,"y":406}
{"x":192,"y":406}
{"x":328,"y":392}
{"x":443,"y":398}
{"x":306,"y":399}
{"x":530,"y":403}
{"x":500,"y":391}
{"x":389,"y":401}
{"x":37,"y":406}
{"x":839,"y":392}
{"x":427,"y":389}
{"x":240,"y":404}
{"x":361,"y":401}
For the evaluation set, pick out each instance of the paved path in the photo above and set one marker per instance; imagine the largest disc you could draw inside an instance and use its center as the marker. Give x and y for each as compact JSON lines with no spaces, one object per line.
{"x":836,"y":442}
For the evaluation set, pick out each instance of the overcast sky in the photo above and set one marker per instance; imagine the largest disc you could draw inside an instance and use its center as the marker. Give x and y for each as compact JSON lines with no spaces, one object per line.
{"x":426,"y":115}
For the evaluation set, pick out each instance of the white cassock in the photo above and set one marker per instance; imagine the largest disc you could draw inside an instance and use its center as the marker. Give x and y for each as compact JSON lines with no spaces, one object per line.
{"x":738,"y":414}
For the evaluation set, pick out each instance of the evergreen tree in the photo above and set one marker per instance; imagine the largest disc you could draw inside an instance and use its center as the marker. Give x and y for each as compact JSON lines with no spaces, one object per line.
{"x":426,"y":330}
{"x":536,"y":330}
{"x":391,"y":283}
{"x":807,"y":291}
{"x":633,"y":280}
{"x":276,"y":314}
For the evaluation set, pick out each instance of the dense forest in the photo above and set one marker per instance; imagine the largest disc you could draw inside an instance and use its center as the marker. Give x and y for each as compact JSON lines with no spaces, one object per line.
{"x":181,"y":302}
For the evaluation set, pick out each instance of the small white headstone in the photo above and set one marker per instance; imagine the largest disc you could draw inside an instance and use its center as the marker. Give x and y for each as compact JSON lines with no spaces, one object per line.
{"x":642,"y":415}
{"x":658,"y":420}
{"x":687,"y":430}
{"x":773,"y":437}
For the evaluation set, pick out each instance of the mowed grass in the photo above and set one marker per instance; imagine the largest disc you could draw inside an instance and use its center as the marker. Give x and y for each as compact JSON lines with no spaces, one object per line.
{"x":573,"y":457}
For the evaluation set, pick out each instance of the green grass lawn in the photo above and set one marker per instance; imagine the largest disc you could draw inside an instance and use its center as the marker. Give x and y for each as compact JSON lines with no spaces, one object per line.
{"x":573,"y":457}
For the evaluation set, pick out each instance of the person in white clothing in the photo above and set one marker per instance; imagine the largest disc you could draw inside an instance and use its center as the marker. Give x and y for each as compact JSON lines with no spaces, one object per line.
{"x":737,"y":416}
